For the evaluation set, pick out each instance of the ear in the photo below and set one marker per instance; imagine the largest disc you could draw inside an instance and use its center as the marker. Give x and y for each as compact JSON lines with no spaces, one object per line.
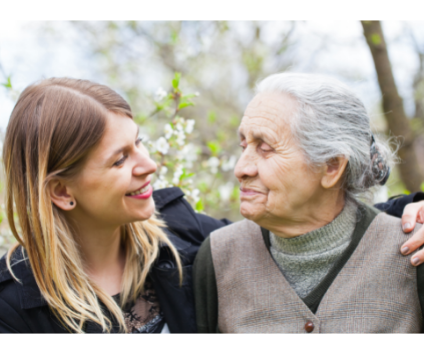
{"x":61,"y":195}
{"x":333,"y":172}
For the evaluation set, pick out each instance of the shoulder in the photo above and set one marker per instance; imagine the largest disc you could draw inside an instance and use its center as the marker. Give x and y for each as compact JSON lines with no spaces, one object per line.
{"x":227,"y":244}
{"x":235,"y":230}
{"x":11,"y":319}
{"x":178,"y":215}
{"x":11,"y":285}
{"x":393,"y":224}
{"x":16,"y":264}
{"x":182,"y":221}
{"x":388,"y":228}
{"x":238,"y":233}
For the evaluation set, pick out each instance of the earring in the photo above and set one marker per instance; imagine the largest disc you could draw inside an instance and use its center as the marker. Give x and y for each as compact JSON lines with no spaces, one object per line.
{"x":71,"y":203}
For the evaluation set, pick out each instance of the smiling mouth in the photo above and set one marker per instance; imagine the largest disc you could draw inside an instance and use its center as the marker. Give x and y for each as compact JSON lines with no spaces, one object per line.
{"x":140,"y":191}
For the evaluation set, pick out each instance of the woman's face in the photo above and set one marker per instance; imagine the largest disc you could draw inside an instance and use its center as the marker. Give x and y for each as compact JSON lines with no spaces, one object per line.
{"x":276,"y":182}
{"x":113,"y":187}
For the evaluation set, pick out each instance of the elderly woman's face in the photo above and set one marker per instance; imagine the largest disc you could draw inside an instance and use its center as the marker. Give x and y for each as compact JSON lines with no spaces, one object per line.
{"x":275,"y":179}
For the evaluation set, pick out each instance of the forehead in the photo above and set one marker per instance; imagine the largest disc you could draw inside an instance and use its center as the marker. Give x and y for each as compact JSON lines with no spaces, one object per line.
{"x":118,"y":127}
{"x":120,"y":131}
{"x":269,"y":110}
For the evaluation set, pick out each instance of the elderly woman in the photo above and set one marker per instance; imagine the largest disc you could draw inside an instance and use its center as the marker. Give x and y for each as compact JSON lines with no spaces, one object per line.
{"x":309,"y":257}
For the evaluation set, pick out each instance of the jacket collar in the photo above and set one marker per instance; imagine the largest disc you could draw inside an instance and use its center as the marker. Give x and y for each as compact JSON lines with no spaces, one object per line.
{"x":164,"y":196}
{"x":29,"y":293}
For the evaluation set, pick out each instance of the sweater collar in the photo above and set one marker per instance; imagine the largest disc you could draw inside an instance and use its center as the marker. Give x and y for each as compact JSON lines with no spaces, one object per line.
{"x":320,"y":240}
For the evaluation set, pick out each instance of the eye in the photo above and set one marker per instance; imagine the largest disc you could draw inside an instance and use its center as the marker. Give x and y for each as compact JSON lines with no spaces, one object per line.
{"x":120,"y":161}
{"x":265,"y":147}
{"x":139,"y":140}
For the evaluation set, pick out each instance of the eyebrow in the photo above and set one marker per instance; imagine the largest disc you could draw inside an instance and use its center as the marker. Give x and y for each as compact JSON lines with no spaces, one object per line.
{"x":120,"y":150}
{"x":257,"y":136}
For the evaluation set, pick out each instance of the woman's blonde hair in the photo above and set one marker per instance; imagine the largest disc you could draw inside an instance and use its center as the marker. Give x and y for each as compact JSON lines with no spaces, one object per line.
{"x":53,"y":127}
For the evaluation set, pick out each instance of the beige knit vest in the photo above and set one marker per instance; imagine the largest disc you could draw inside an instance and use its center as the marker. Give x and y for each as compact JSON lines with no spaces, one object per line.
{"x":375,"y":292}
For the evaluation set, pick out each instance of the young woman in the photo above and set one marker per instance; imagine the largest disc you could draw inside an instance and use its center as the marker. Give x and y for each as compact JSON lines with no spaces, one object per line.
{"x":92,"y":255}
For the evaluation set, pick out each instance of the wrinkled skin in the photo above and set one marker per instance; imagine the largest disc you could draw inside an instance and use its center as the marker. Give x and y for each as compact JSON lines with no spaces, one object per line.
{"x":279,"y":190}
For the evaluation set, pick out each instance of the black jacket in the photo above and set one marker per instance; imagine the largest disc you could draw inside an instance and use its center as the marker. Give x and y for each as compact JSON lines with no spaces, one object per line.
{"x":24,"y":310}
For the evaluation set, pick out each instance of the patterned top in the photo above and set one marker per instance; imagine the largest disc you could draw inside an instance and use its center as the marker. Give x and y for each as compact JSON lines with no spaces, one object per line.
{"x":144,"y":315}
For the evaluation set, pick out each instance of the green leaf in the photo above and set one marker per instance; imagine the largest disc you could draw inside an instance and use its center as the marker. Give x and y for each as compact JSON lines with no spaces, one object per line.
{"x":199,"y":206}
{"x":8,"y":83}
{"x":211,"y":117}
{"x":234,"y":121}
{"x":159,"y":107}
{"x":375,"y":39}
{"x":214,"y":147}
{"x":141,"y":118}
{"x":221,"y":135}
{"x":235,"y":193}
{"x":185,"y":104}
{"x":176,"y":81}
{"x":406,"y":192}
{"x":174,"y":37}
{"x":203,"y":187}
{"x":422,"y":187}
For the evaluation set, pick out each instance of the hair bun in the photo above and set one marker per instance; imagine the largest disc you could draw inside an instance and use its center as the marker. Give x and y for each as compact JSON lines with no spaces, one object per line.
{"x":379,"y":168}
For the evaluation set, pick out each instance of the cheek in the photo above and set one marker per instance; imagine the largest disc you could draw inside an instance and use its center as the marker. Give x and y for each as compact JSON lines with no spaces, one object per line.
{"x":273,"y":174}
{"x":285,"y":180}
{"x":103,"y":191}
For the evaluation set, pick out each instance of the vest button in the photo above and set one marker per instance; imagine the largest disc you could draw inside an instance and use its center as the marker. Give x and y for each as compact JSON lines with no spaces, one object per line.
{"x":309,"y":327}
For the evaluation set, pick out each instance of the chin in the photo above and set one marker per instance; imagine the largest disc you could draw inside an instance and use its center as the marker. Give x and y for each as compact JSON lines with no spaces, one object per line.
{"x":146,"y":212}
{"x":248,"y":212}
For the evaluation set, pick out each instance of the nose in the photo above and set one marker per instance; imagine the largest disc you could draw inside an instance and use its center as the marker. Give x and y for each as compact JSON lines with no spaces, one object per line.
{"x":145,"y":165}
{"x":246,"y":166}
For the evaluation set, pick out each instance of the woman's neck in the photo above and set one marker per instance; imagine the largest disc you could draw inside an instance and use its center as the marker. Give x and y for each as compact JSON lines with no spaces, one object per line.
{"x":310,"y":217}
{"x":103,"y":256}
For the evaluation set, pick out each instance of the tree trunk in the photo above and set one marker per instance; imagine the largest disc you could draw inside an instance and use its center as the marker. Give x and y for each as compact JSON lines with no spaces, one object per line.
{"x":393,"y":106}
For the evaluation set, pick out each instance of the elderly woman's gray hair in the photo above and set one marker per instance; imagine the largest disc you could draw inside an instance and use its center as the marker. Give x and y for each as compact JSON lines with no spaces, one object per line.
{"x":331,"y":122}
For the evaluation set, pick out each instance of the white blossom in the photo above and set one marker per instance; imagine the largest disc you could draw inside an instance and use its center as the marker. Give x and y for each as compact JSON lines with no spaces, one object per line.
{"x":225,"y":191}
{"x":189,"y":154}
{"x":181,"y":138}
{"x":163,"y":171}
{"x":189,"y":126}
{"x":213,"y":164}
{"x":160,"y":94}
{"x":195,"y":195}
{"x":151,"y":146}
{"x":168,"y":131}
{"x":196,"y":93}
{"x":177,"y":174}
{"x":179,"y":127}
{"x":162,"y":145}
{"x":229,"y":164}
{"x":1,"y":241}
{"x":160,"y":184}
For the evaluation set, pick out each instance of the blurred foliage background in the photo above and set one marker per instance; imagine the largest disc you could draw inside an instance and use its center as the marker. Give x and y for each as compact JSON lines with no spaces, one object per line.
{"x":188,"y":83}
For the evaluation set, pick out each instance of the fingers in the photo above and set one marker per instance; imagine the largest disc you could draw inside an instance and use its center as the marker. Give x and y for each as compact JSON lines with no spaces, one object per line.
{"x":412,"y":213}
{"x":413,"y":244}
{"x":417,"y":258}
